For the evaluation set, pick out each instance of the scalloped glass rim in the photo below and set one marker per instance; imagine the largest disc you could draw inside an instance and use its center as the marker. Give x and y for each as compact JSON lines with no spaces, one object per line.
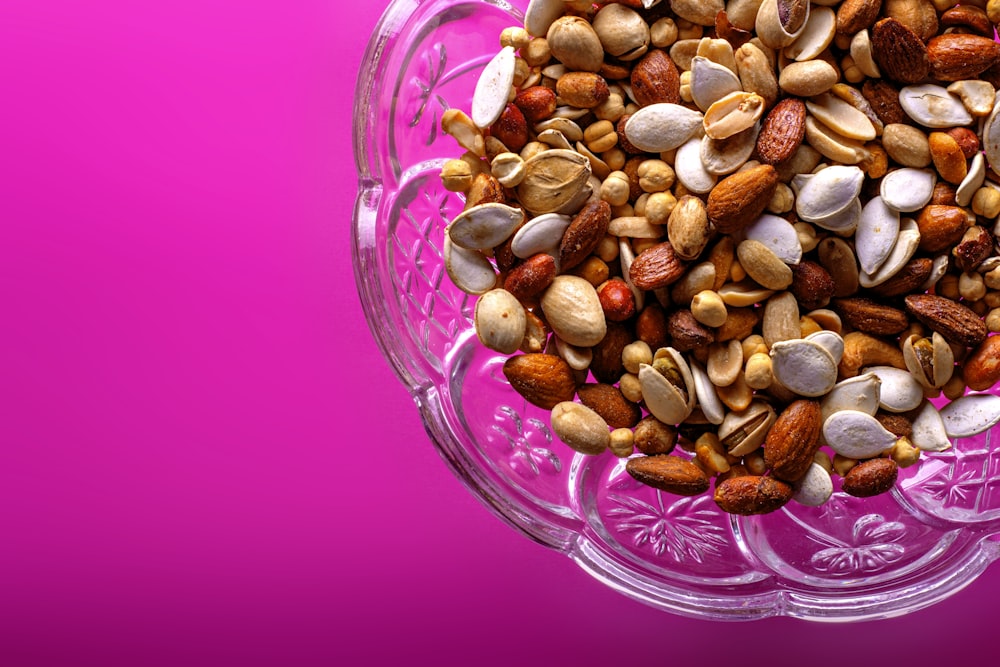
{"x":407,"y":74}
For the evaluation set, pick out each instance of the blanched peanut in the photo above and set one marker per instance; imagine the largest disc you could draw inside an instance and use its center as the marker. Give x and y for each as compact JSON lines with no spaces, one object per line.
{"x":622,"y":442}
{"x":615,"y":188}
{"x":655,"y":176}
{"x":636,"y":353}
{"x":842,"y":465}
{"x":758,"y":371}
{"x":971,"y":286}
{"x":709,"y":309}
{"x":663,"y":33}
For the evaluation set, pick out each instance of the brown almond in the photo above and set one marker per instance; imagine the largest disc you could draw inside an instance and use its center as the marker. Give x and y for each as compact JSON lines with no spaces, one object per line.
{"x":739,"y":199}
{"x":981,"y":369}
{"x":541,"y":379}
{"x":623,"y":142}
{"x":957,"y":323}
{"x":531,"y":277}
{"x":899,"y":53}
{"x":511,"y":128}
{"x":782,"y":131}
{"x":617,"y":300}
{"x":967,"y":139}
{"x":793,"y":440}
{"x":812,"y":285}
{"x":584,"y":233}
{"x":884,"y":100}
{"x":944,"y":194}
{"x":870,"y":478}
{"x":908,"y":279}
{"x":856,"y":15}
{"x":669,"y":473}
{"x":656,"y":267}
{"x":536,"y":103}
{"x":608,"y":401}
{"x":871,"y":317}
{"x":606,"y":363}
{"x":956,"y":56}
{"x":687,"y":333}
{"x":655,"y":79}
{"x":976,"y":245}
{"x":941,"y":227}
{"x":751,"y":494}
{"x":584,"y":90}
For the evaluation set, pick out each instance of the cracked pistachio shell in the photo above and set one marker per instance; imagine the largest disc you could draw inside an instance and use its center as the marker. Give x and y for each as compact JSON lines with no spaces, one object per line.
{"x":942,"y":361}
{"x":743,"y":431}
{"x":664,"y":400}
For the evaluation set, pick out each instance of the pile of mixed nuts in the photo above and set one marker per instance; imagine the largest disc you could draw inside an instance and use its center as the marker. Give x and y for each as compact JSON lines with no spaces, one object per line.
{"x":762,"y":230}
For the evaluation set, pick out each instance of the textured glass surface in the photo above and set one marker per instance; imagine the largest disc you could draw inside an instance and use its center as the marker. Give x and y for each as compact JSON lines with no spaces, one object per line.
{"x":849,"y":559}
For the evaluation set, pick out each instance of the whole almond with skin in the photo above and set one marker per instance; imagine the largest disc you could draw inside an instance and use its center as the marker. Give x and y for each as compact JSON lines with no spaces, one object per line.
{"x":812,"y":285}
{"x":895,"y":423}
{"x":855,"y":15}
{"x":656,"y":267}
{"x":908,"y":279}
{"x":608,"y":401}
{"x":957,"y":323}
{"x":651,"y":326}
{"x":899,"y":53}
{"x":956,"y":56}
{"x":871,"y":317}
{"x":981,"y":369}
{"x":739,"y":199}
{"x":531,"y":277}
{"x":544,"y":380}
{"x":782,"y":131}
{"x":536,"y":103}
{"x":655,"y":79}
{"x":669,"y":473}
{"x":584,"y":233}
{"x":871,"y":478}
{"x":606,"y":364}
{"x":751,"y":494}
{"x":941,"y":227}
{"x":793,"y":440}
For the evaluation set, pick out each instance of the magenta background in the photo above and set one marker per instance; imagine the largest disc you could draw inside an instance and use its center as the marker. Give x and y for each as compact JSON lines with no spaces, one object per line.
{"x":205,"y":460}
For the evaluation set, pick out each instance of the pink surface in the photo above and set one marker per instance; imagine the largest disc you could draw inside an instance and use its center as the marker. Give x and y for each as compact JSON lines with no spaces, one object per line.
{"x":205,"y":461}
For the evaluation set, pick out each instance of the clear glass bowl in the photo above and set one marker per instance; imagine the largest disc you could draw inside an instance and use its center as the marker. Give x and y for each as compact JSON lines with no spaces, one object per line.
{"x":849,"y":559}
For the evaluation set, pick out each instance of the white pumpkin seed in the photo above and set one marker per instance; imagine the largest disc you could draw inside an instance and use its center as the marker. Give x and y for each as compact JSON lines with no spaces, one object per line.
{"x":803,"y":367}
{"x":484,"y":227}
{"x":900,"y":391}
{"x":540,"y":234}
{"x":859,"y":393}
{"x":939,"y":267}
{"x":470,"y":270}
{"x":826,"y":193}
{"x":845,"y":222}
{"x":831,"y":342}
{"x":929,"y":433}
{"x":493,"y":88}
{"x":691,"y":170}
{"x":778,"y":235}
{"x":708,"y":399}
{"x":541,"y":14}
{"x":906,"y":244}
{"x":876,"y":234}
{"x":856,"y":435}
{"x":933,"y":106}
{"x":724,"y":156}
{"x":971,"y":415}
{"x":710,"y":82}
{"x":815,"y":487}
{"x":908,"y":189}
{"x":663,"y":400}
{"x":662,"y":127}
